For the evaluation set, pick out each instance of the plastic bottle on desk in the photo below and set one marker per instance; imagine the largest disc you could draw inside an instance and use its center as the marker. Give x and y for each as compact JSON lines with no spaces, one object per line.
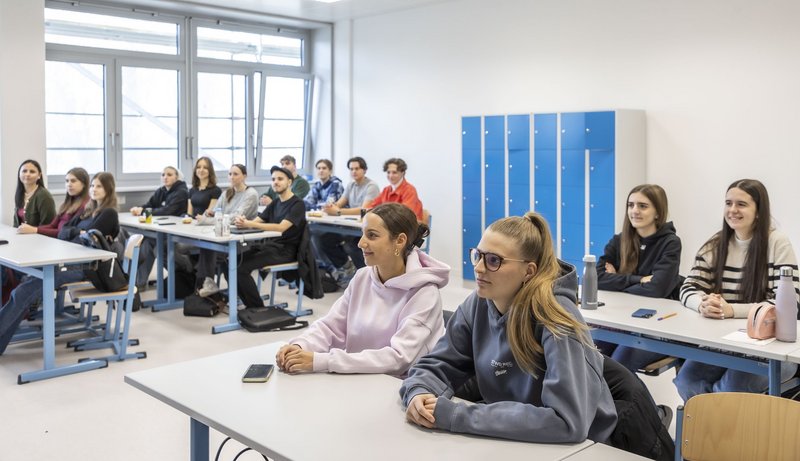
{"x":786,"y":308}
{"x":218,"y":222}
{"x":226,"y":225}
{"x":589,"y":283}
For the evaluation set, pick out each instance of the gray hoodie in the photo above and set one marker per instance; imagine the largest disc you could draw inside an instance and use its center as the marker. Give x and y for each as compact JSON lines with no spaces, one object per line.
{"x":567,"y":403}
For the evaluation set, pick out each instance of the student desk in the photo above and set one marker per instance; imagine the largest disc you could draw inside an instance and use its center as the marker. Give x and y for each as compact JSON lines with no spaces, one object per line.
{"x":345,"y":225}
{"x":39,"y":256}
{"x":313,"y":416}
{"x":687,"y":335}
{"x":602,"y":452}
{"x":169,"y":230}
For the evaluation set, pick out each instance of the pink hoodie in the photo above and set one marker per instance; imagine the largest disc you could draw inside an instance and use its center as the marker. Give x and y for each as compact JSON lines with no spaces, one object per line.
{"x":381,"y":328}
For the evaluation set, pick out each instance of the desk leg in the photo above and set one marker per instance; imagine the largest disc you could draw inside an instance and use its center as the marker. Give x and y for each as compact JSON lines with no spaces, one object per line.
{"x":775,"y":377}
{"x":233,"y":300}
{"x":159,"y":300}
{"x":170,"y":302}
{"x":199,"y":441}
{"x":49,"y":369}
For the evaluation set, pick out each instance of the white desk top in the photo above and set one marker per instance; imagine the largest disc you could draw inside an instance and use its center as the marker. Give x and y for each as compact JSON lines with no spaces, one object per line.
{"x":688,"y":326}
{"x":189,"y":230}
{"x":602,"y":452}
{"x":794,"y":356}
{"x":344,"y":221}
{"x":35,"y":250}
{"x":316,"y":416}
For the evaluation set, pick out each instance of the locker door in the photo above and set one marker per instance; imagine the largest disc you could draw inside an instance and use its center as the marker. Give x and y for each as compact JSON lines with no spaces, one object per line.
{"x":573,"y":130}
{"x":519,"y":132}
{"x":544,"y":131}
{"x":600,"y":130}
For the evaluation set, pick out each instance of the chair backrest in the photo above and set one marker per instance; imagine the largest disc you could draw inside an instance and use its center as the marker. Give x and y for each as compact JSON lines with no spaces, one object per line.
{"x":427,"y":218}
{"x":134,"y":241}
{"x":740,"y":426}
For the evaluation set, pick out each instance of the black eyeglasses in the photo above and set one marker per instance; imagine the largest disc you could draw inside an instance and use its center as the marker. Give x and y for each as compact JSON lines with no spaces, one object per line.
{"x":490,"y":260}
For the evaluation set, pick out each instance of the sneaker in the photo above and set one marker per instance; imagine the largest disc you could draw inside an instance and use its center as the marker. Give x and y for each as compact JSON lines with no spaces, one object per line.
{"x":209,"y":288}
{"x":665,"y":413}
{"x":347,"y":271}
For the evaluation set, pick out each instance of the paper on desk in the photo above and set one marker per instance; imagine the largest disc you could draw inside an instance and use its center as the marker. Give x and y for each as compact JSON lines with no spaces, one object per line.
{"x":741,"y":337}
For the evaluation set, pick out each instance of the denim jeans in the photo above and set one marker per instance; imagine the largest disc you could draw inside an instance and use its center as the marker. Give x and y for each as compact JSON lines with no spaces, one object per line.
{"x":631,"y":358}
{"x":338,"y":247}
{"x":24,"y":296}
{"x":700,"y":378}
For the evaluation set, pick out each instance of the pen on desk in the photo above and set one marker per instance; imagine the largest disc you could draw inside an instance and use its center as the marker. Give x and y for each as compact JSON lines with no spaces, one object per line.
{"x":668,"y":316}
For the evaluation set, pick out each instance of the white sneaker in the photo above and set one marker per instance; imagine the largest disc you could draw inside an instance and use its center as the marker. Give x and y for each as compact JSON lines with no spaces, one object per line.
{"x":209,"y":288}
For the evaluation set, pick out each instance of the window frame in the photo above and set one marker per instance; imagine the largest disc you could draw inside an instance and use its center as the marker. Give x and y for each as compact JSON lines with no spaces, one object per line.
{"x":187,"y":65}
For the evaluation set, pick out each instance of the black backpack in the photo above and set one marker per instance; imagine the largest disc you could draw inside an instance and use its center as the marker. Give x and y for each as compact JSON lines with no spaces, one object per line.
{"x":639,"y":429}
{"x":107,"y":276}
{"x":268,"y":318}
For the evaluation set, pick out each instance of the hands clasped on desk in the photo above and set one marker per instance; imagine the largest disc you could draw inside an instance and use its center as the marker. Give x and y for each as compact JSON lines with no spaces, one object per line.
{"x":291,"y":358}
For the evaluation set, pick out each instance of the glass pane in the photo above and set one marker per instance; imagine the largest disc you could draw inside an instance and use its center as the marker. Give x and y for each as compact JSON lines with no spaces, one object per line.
{"x":283,"y":133}
{"x":285,"y":98}
{"x":75,"y":111}
{"x":249,"y":47}
{"x":221,"y":129}
{"x":147,"y":160}
{"x":112,"y":32}
{"x":270,"y":157}
{"x":149,"y":119}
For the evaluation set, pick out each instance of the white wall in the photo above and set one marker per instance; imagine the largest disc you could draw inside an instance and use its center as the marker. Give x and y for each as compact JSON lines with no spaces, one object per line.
{"x":21,"y":93}
{"x":718,"y":79}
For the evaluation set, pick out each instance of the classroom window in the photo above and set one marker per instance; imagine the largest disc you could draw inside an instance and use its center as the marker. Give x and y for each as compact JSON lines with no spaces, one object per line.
{"x":131,"y":92}
{"x":75,"y":116}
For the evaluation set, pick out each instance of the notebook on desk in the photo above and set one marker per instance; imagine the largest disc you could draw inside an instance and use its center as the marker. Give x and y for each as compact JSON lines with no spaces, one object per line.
{"x":246,"y":230}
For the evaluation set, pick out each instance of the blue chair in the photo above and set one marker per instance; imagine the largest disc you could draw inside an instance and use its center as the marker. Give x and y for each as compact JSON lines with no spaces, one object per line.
{"x":116,"y":330}
{"x":426,"y":217}
{"x":274,"y":270}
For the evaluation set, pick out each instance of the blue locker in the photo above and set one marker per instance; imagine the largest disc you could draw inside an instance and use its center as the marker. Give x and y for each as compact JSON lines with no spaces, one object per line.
{"x":573,"y":130}
{"x":598,"y":237}
{"x":601,"y":206}
{"x":600,"y":130}
{"x":572,"y":242}
{"x":519,"y":199}
{"x":494,"y":203}
{"x":494,"y":168}
{"x":545,"y":131}
{"x":467,"y":273}
{"x":601,"y":168}
{"x":471,"y":133}
{"x":544,"y":203}
{"x":572,"y":205}
{"x":471,"y":198}
{"x":519,"y":132}
{"x":519,"y":167}
{"x":573,"y":163}
{"x":471,"y":165}
{"x":494,"y":132}
{"x":545,"y":170}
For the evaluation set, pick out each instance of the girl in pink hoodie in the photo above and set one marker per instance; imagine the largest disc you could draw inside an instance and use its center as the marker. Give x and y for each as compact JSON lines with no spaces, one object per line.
{"x":391,"y":312}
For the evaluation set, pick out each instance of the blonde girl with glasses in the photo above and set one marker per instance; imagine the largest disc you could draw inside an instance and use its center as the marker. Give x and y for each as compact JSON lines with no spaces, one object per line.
{"x":547,"y":390}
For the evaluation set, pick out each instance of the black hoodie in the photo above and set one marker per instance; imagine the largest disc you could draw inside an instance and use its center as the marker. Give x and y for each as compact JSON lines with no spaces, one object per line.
{"x":659,"y":256}
{"x":172,"y":202}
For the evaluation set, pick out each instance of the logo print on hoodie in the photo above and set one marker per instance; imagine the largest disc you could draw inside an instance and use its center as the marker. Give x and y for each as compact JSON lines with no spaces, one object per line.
{"x":501,"y":368}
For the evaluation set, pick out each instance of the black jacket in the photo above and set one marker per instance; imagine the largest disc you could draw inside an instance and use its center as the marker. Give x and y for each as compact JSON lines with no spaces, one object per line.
{"x":172,"y":202}
{"x":659,"y":256}
{"x":308,"y":269}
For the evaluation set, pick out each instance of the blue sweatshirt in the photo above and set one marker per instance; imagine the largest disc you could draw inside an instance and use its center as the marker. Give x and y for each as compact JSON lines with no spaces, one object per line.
{"x":567,"y":403}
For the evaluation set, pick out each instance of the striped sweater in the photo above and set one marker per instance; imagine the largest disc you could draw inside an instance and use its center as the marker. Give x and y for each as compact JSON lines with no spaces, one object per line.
{"x":701,"y":279}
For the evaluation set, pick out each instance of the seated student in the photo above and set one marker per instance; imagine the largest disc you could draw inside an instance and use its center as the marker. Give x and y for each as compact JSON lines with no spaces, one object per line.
{"x":100,"y":214}
{"x":643,"y":260}
{"x":287,"y":215}
{"x":77,"y":187}
{"x":33,"y":204}
{"x":300,"y":186}
{"x":238,"y":200}
{"x":325,"y":191}
{"x":342,"y":250}
{"x":735,"y":269}
{"x":399,"y":190}
{"x":168,"y":200}
{"x":390,"y":314}
{"x":204,"y":192}
{"x":551,"y":391}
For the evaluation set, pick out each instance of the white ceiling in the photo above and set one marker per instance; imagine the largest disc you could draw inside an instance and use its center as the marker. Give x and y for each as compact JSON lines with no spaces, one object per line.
{"x":308,"y":10}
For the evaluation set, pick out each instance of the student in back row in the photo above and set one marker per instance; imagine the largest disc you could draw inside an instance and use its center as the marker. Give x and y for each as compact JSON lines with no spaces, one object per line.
{"x":642,"y":260}
{"x":399,"y":189}
{"x":33,"y":204}
{"x":735,"y":269}
{"x":327,"y":190}
{"x":77,"y":184}
{"x":300,"y":186}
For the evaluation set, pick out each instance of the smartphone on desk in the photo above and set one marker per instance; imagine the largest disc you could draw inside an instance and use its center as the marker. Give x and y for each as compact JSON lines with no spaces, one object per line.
{"x":644,"y":313}
{"x":258,"y":373}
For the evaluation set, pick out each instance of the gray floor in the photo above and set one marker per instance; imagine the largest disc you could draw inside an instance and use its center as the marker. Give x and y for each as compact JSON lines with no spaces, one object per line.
{"x":95,"y":415}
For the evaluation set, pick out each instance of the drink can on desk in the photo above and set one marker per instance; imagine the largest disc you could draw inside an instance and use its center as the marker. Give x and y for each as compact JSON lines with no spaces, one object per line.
{"x":589,"y":283}
{"x":148,"y":215}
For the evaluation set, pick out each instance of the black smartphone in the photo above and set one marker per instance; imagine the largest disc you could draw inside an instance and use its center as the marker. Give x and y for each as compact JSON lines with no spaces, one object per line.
{"x":165,"y":223}
{"x":258,"y":373}
{"x":644,"y":313}
{"x":3,"y":242}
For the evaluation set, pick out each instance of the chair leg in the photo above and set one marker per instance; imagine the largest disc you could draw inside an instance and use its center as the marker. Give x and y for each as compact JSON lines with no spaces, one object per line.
{"x":679,"y":434}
